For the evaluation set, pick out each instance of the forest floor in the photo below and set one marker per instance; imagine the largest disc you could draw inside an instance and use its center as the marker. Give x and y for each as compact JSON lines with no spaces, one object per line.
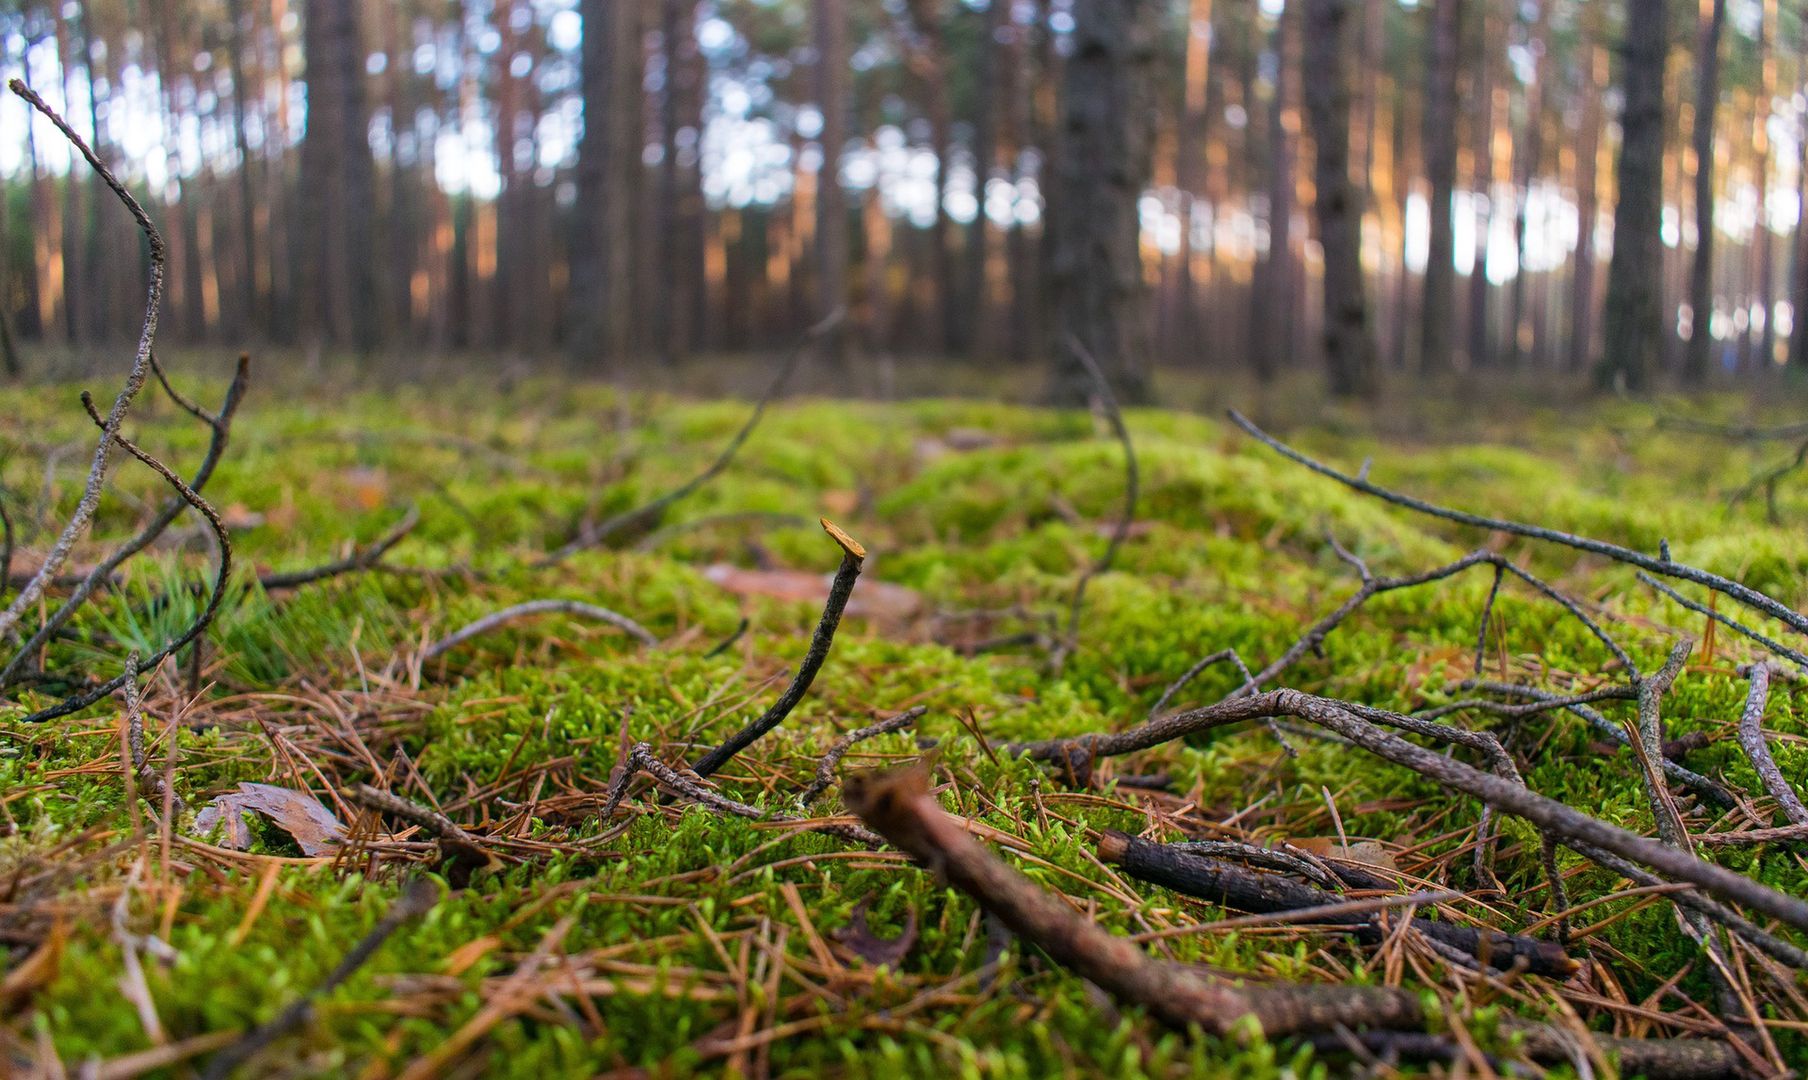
{"x":673,"y":937}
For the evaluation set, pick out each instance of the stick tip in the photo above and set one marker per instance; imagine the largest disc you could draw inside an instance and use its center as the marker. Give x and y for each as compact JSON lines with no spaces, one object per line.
{"x":17,"y":86}
{"x":1112,"y":845}
{"x":848,"y":544}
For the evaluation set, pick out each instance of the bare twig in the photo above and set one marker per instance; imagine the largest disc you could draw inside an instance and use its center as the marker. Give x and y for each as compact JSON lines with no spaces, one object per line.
{"x":1565,"y":822}
{"x":1727,"y":621}
{"x":825,"y":769}
{"x":361,"y":559}
{"x":135,"y":378}
{"x":691,"y":786}
{"x":538,"y":607}
{"x":1751,"y":738}
{"x":220,"y":425}
{"x":853,"y":557}
{"x":1744,"y":594}
{"x":418,"y":896}
{"x":591,"y":537}
{"x":221,"y":576}
{"x":899,"y":807}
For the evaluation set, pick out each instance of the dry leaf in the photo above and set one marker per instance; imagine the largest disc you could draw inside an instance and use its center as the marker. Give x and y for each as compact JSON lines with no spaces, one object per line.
{"x":1366,"y":852}
{"x":38,"y":970}
{"x":297,"y":813}
{"x":859,"y":937}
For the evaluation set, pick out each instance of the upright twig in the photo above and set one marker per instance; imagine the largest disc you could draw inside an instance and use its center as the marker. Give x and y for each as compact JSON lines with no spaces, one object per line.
{"x":220,"y":426}
{"x":135,"y":378}
{"x":853,"y":557}
{"x":221,"y":576}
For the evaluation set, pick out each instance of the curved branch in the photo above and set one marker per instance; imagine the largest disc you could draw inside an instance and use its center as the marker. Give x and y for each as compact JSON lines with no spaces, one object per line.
{"x":539,"y":607}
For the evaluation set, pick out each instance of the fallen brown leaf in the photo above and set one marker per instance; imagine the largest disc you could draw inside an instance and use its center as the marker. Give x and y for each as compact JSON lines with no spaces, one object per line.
{"x":315,"y":829}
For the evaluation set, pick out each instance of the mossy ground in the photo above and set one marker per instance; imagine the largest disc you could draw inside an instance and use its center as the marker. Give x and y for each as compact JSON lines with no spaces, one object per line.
{"x":703,"y":943}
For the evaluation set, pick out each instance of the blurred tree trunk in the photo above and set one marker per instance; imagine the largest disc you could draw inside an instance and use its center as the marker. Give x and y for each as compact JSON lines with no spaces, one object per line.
{"x":1438,"y":313}
{"x":1273,"y":313}
{"x":1634,"y":318}
{"x":1527,"y":152}
{"x":929,"y":61}
{"x":1107,"y":111}
{"x":1195,"y":125}
{"x":672,"y":301}
{"x":1594,"y":76}
{"x":1697,"y":360}
{"x":1348,"y":334}
{"x":1481,"y":139}
{"x":831,"y":200}
{"x":253,"y":296}
{"x":977,"y":308}
{"x":1766,"y":258}
{"x":337,"y":186}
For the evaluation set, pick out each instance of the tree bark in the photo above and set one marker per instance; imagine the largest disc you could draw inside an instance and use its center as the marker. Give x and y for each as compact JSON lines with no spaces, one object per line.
{"x":1634,"y":319}
{"x":1438,"y":313}
{"x":1348,"y":338}
{"x":1697,"y":360}
{"x":1526,"y":156}
{"x":1107,"y":111}
{"x":1588,"y":150}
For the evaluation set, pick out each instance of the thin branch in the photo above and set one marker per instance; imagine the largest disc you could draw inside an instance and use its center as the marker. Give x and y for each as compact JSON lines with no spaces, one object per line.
{"x":853,"y":557}
{"x":1744,"y":594}
{"x":898,"y":806}
{"x":135,"y":378}
{"x":825,"y":769}
{"x":692,"y":787}
{"x":201,"y":621}
{"x":593,"y":536}
{"x":1727,"y":621}
{"x":220,"y":425}
{"x":1751,"y":738}
{"x":1565,"y":822}
{"x":538,"y":607}
{"x":357,"y":561}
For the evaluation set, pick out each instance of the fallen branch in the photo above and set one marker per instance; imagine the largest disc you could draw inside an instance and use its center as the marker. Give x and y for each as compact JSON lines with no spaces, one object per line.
{"x":1751,"y":738}
{"x":1228,"y":885}
{"x":825,"y":769}
{"x":853,"y":557}
{"x":898,"y":806}
{"x":1565,"y":822}
{"x":1661,"y":565}
{"x":464,"y":849}
{"x":539,"y":607}
{"x":357,"y":561}
{"x":593,"y":536}
{"x":418,"y":896}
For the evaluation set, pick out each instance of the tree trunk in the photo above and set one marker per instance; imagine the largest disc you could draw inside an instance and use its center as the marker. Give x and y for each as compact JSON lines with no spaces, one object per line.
{"x":1481,"y":139}
{"x":1588,"y":151}
{"x":1634,"y":320}
{"x":831,"y":199}
{"x":1273,"y":310}
{"x":337,"y":185}
{"x":1107,"y":110}
{"x":1526,"y":154}
{"x":1438,"y":313}
{"x":1697,"y":360}
{"x":1349,"y":342}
